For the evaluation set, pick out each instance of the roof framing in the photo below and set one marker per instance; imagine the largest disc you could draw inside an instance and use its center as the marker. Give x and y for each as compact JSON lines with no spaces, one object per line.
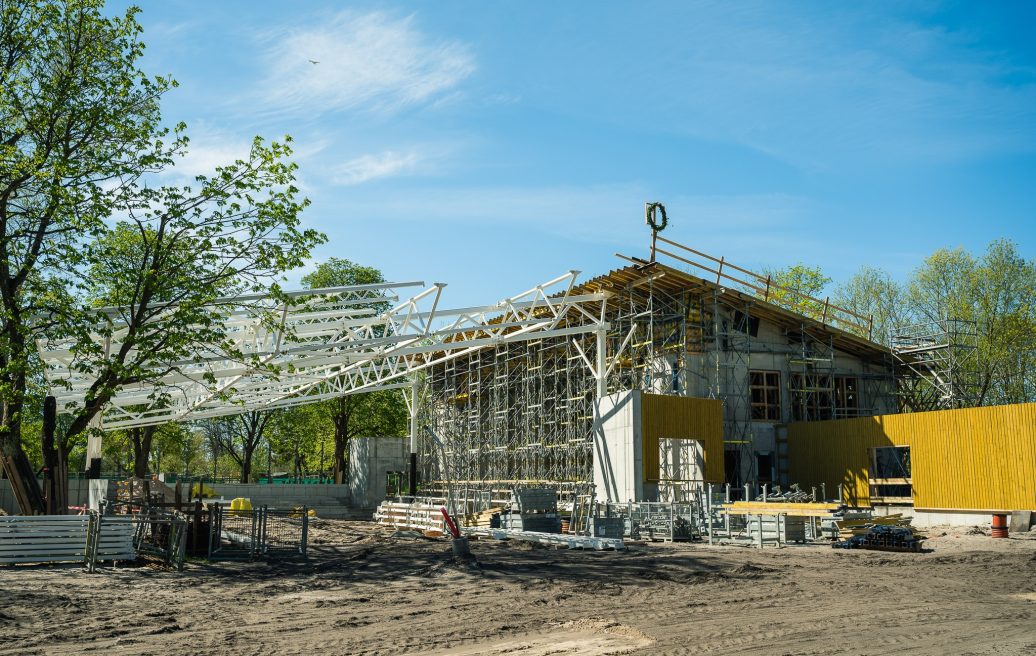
{"x":312,"y":345}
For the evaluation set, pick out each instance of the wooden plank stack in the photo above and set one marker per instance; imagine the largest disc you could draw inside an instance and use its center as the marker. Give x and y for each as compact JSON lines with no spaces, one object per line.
{"x":483,"y":519}
{"x":417,"y":516}
{"x":782,"y":508}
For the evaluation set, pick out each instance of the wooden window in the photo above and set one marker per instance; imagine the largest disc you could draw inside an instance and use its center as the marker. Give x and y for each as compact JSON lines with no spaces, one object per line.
{"x":847,"y":398}
{"x":891,"y":480}
{"x":815,"y":397}
{"x":766,"y":395}
{"x":810,"y":397}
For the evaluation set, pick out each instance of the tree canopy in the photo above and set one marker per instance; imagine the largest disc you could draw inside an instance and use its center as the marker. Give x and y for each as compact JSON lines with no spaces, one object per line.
{"x":85,"y":219}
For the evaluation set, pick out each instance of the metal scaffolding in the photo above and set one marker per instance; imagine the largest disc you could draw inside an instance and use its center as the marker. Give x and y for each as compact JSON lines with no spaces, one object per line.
{"x":511,"y":414}
{"x":932,"y":365}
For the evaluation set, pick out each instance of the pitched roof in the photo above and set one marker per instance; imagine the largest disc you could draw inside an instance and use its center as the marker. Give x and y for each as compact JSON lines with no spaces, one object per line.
{"x":645,"y":275}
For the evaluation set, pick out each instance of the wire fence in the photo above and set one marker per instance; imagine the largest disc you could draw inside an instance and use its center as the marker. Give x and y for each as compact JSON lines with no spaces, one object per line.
{"x":238,"y":534}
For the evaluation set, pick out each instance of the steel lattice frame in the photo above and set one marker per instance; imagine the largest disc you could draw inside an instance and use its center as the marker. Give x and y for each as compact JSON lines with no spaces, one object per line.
{"x":318,"y":344}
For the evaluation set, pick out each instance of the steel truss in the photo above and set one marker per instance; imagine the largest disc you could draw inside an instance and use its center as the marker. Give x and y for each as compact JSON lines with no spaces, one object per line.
{"x":312,"y":345}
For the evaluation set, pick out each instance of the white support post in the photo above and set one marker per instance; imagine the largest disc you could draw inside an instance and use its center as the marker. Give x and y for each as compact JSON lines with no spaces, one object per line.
{"x":602,"y":364}
{"x":93,"y":444}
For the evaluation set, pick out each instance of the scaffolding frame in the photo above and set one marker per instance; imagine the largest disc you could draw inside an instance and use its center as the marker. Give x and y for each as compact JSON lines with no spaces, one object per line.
{"x":513,"y":414}
{"x":933,"y":361}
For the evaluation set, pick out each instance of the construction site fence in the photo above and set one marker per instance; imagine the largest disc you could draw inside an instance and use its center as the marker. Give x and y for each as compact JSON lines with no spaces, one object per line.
{"x":259,"y":532}
{"x":92,"y":538}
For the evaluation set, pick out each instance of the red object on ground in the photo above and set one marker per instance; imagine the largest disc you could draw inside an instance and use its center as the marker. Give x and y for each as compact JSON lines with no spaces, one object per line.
{"x":999,"y":526}
{"x":450,"y":524}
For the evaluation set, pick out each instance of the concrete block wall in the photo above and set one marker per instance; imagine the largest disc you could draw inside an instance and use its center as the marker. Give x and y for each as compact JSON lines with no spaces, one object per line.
{"x":78,"y":495}
{"x":290,"y":493}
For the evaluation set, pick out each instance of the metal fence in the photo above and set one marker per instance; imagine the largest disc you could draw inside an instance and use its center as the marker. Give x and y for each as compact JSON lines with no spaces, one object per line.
{"x":658,"y":521}
{"x":256,"y":533}
{"x":162,"y":534}
{"x":93,"y":538}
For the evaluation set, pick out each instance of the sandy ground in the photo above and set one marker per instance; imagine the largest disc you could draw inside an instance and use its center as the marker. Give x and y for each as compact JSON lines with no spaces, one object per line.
{"x":364,"y":591}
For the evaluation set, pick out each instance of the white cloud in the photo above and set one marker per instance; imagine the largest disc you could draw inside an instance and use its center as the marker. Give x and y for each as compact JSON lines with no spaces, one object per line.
{"x":205,"y":154}
{"x":371,"y":167}
{"x":365,"y":61}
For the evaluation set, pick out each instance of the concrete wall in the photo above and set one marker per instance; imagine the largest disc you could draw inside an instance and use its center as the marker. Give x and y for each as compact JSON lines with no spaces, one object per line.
{"x":293,"y":494}
{"x":78,"y":495}
{"x":618,"y":448}
{"x":371,"y":459}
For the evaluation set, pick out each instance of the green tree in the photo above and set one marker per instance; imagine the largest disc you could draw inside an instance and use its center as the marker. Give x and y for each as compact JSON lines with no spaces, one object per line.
{"x":238,"y":436}
{"x":80,"y":140}
{"x":873,"y":293}
{"x":797,"y":288}
{"x":297,"y":435}
{"x":995,"y":293}
{"x":76,"y":119}
{"x":376,"y":414}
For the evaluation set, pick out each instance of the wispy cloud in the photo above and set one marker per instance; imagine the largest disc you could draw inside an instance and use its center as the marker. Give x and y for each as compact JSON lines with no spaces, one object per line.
{"x":372,"y":61}
{"x":371,"y":167}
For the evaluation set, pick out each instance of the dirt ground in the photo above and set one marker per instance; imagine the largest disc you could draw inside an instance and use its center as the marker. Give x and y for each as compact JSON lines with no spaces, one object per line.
{"x":365,"y":591}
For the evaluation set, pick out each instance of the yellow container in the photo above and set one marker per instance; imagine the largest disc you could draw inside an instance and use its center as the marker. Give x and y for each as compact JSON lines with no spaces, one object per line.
{"x":241,"y":504}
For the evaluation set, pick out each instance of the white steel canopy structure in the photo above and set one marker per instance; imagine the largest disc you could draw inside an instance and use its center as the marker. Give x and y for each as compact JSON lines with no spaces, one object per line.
{"x":311,"y":345}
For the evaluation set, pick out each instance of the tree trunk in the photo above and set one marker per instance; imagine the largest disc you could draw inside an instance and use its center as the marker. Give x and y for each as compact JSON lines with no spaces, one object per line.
{"x":341,"y":462}
{"x":141,"y":439}
{"x":61,"y":480}
{"x":246,"y":465}
{"x":16,"y":464}
{"x":50,"y":455}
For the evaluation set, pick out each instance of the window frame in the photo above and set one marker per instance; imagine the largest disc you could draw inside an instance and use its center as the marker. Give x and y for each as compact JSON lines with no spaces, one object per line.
{"x":770,"y":390}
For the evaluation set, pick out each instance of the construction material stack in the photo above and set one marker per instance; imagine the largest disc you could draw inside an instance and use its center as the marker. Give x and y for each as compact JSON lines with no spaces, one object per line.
{"x":890,"y":533}
{"x":532,"y":509}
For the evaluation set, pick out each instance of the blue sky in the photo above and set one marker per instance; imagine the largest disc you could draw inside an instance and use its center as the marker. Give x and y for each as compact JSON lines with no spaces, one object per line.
{"x":493,"y":146}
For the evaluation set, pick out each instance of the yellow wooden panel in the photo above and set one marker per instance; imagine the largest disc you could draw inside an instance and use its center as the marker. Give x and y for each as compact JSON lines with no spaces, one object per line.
{"x":968,"y":459}
{"x":682,"y":417}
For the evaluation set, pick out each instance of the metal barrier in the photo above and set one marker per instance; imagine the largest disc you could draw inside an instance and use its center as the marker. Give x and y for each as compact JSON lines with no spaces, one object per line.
{"x":658,"y":521}
{"x":162,"y":534}
{"x":258,"y":532}
{"x":285,"y":532}
{"x":89,"y":539}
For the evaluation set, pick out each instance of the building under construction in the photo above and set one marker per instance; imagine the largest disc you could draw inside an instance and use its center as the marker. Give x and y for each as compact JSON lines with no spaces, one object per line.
{"x":678,"y":323}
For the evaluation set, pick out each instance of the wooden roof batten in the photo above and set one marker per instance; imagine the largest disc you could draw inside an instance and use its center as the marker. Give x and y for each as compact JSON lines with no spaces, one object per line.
{"x":850,"y":331}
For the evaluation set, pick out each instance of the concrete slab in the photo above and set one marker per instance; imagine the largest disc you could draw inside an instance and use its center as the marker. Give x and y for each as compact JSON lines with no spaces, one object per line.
{"x":1021,"y":521}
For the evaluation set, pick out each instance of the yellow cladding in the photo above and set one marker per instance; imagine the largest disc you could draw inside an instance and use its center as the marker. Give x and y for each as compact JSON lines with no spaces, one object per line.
{"x":969,"y":459}
{"x":682,"y":417}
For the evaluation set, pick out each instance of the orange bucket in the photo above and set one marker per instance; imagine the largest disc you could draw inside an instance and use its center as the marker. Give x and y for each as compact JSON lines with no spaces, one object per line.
{"x":999,"y":525}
